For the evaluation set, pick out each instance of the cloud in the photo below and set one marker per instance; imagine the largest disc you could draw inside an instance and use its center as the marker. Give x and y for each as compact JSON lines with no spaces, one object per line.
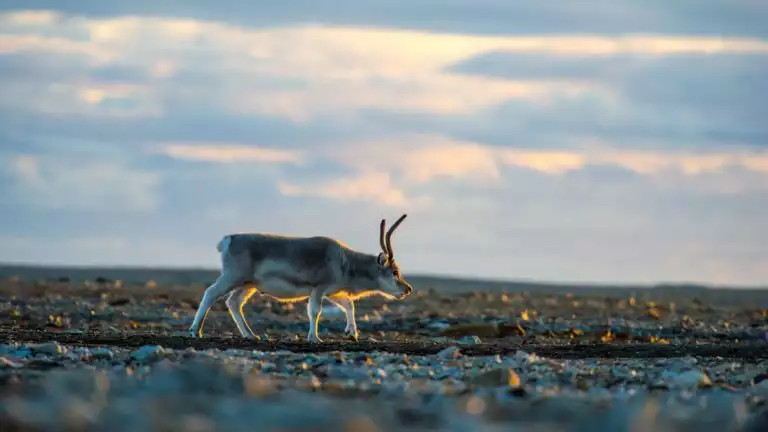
{"x":61,"y":183}
{"x":229,"y":153}
{"x":428,"y":157}
{"x":648,"y":101}
{"x":640,"y":161}
{"x":94,"y":100}
{"x":304,"y":71}
{"x":524,"y":141}
{"x":27,"y":169}
{"x":718,"y":17}
{"x":419,"y":158}
{"x":375,"y":187}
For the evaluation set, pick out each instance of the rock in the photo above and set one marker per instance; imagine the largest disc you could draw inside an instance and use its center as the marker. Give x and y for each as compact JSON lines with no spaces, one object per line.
{"x":9,"y":364}
{"x":102,"y":353}
{"x":761,"y":389}
{"x":655,"y":313}
{"x":438,"y":325}
{"x":44,"y":364}
{"x":120,"y":301}
{"x":523,"y":357}
{"x":450,"y":353}
{"x":759,"y":378}
{"x":511,"y":329}
{"x":148,"y":353}
{"x":582,"y":384}
{"x":500,"y":377}
{"x":335,"y":371}
{"x":257,"y":385}
{"x":48,"y":348}
{"x":470,"y":340}
{"x":689,"y":380}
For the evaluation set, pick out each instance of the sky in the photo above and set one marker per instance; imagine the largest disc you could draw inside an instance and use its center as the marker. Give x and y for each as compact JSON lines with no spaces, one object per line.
{"x":593,"y":141}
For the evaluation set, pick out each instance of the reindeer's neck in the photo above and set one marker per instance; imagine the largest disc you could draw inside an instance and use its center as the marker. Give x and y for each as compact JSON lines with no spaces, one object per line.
{"x":360,"y":268}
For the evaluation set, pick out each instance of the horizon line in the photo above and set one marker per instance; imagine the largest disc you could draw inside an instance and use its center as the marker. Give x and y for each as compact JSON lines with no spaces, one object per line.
{"x":460,"y":277}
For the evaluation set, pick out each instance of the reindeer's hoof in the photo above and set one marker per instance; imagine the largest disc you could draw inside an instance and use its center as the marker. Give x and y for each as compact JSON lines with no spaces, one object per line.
{"x":352,"y":335}
{"x":314,"y":340}
{"x":196,"y":334}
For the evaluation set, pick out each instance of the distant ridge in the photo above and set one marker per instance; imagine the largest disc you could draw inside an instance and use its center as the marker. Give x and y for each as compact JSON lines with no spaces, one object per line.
{"x":758,"y":296}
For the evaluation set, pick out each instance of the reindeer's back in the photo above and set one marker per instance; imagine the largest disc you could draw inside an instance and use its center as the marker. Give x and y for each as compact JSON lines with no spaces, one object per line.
{"x":300,"y":260}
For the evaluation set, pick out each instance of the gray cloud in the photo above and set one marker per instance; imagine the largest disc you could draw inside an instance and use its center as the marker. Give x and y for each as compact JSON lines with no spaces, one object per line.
{"x":600,"y":221}
{"x":720,"y":17}
{"x":688,"y":100}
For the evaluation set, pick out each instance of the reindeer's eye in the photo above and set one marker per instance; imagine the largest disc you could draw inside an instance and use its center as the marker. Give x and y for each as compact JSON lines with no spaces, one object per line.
{"x":396,"y":273}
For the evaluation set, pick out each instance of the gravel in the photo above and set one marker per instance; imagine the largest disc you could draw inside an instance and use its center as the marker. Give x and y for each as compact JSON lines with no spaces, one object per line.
{"x":108,"y":357}
{"x":231,"y":389}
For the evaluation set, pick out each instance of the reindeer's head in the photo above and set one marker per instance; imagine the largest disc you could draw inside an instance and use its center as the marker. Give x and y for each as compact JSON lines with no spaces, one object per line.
{"x":389,"y":278}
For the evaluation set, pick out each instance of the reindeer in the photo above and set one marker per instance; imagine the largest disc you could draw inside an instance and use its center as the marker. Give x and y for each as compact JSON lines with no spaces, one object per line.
{"x":292,"y":269}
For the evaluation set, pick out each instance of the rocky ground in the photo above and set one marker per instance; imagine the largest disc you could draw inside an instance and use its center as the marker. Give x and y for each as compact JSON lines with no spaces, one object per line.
{"x":111,"y":355}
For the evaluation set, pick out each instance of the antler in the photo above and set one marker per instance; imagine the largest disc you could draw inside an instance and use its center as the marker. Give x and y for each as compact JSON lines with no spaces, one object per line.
{"x":381,"y":237}
{"x":390,"y":252}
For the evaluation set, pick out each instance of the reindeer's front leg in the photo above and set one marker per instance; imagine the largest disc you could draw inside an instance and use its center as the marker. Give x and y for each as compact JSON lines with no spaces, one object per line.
{"x":348,"y":306}
{"x":314,"y":309}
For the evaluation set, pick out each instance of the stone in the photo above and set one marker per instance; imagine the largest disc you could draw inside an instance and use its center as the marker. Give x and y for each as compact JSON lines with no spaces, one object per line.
{"x":499,"y":377}
{"x":470,"y":340}
{"x":511,"y":329}
{"x":438,"y":325}
{"x":9,"y":364}
{"x":102,"y":353}
{"x":47,"y":348}
{"x":148,"y":353}
{"x":450,"y":353}
{"x":689,"y":380}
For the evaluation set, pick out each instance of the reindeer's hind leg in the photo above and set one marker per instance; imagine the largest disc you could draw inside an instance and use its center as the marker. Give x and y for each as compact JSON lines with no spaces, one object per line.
{"x":314,"y":309}
{"x":224,"y":284}
{"x":236,"y":270}
{"x":235,"y":303}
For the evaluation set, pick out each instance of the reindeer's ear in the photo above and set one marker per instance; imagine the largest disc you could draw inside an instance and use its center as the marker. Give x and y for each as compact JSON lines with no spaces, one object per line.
{"x":381,"y":259}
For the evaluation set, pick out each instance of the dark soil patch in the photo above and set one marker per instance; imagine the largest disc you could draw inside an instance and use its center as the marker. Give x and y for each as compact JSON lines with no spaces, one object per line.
{"x":743,"y":351}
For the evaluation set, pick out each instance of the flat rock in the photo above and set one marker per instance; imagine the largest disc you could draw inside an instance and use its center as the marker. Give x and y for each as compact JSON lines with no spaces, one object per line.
{"x":48,"y":348}
{"x":499,"y":377}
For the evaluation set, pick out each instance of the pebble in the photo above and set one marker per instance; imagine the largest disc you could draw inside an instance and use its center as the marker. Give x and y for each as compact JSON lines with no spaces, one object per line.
{"x":148,"y":353}
{"x":438,"y":325}
{"x":452,"y":352}
{"x":688,"y":380}
{"x":499,"y":377}
{"x":760,"y":389}
{"x":49,"y":348}
{"x":470,"y":340}
{"x":102,"y":353}
{"x":6,"y":363}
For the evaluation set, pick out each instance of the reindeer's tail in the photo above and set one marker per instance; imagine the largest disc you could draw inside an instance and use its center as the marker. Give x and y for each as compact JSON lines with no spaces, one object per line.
{"x":223,"y":243}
